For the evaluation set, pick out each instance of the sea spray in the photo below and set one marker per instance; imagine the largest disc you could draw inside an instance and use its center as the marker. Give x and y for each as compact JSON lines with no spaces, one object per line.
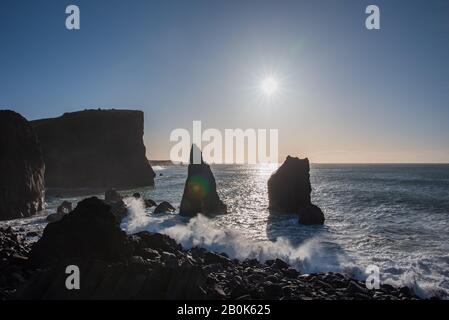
{"x":309,"y":257}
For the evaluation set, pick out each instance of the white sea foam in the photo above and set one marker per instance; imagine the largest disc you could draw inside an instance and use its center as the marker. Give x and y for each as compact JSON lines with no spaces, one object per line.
{"x":312,"y":256}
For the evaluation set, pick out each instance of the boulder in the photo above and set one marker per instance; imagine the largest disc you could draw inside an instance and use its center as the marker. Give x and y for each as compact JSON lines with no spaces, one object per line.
{"x":164,"y":207}
{"x":90,"y":231}
{"x":289,"y":191}
{"x":64,"y":208}
{"x":115,"y":201}
{"x":21,"y":168}
{"x":13,"y":262}
{"x":95,"y":149}
{"x":150,"y":203}
{"x":200,"y":190}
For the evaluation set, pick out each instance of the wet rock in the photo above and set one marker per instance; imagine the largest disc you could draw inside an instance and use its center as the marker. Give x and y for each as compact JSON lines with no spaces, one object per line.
{"x":150,"y":203}
{"x":14,"y":266}
{"x":90,"y":232}
{"x":279,"y":264}
{"x":21,"y":168}
{"x":64,"y":208}
{"x":211,"y":258}
{"x":156,"y":241}
{"x":164,"y":207}
{"x":118,"y":207}
{"x":200,"y":190}
{"x":272,"y":290}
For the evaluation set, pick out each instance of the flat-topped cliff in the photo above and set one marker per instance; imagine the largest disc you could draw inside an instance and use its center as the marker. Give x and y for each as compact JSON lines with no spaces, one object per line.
{"x":95,"y":149}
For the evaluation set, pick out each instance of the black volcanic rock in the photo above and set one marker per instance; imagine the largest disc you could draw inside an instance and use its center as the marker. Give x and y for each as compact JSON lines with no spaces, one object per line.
{"x":200,"y":191}
{"x":311,"y":214}
{"x":90,"y":231}
{"x":95,"y":149}
{"x":13,"y":262}
{"x":164,"y":207}
{"x":289,"y":191}
{"x":21,"y":168}
{"x":118,"y":206}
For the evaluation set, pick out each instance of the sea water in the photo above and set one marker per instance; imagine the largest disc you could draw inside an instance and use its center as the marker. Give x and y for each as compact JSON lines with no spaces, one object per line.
{"x":393,"y":216}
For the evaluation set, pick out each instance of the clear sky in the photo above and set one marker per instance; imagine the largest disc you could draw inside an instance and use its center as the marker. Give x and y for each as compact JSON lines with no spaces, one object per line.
{"x":346,"y":94}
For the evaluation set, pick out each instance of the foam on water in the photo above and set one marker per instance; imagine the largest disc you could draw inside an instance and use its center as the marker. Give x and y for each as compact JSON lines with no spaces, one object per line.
{"x":200,"y":231}
{"x":392,"y":216}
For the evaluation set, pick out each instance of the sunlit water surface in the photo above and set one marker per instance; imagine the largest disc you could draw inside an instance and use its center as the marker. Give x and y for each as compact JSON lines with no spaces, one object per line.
{"x":392,"y":216}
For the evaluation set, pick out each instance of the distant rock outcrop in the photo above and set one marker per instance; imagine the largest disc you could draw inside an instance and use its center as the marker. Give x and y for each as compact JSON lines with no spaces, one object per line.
{"x":200,"y":191}
{"x":95,"y":149}
{"x":289,"y":191}
{"x":21,"y":168}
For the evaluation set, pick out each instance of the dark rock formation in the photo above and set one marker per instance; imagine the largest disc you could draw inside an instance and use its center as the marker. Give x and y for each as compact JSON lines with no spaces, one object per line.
{"x":21,"y":168}
{"x":115,"y":201}
{"x":95,"y":149}
{"x":148,"y":202}
{"x":89,"y":232}
{"x":153,"y":266}
{"x":164,"y":207}
{"x":289,"y":191}
{"x":200,"y":191}
{"x":64,"y":208}
{"x":14,"y":269}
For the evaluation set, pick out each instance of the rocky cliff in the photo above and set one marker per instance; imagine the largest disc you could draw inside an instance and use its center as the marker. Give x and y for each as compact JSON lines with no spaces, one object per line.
{"x":21,"y":168}
{"x":95,"y":149}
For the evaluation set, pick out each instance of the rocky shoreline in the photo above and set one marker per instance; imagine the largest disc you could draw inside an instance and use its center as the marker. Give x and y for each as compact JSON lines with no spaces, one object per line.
{"x":114,"y":265}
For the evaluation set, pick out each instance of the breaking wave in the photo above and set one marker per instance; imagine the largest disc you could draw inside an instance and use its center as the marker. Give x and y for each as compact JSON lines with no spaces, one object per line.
{"x":312,"y":256}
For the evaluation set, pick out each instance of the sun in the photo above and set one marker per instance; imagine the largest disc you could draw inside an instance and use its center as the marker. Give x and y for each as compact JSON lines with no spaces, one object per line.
{"x":269,"y":86}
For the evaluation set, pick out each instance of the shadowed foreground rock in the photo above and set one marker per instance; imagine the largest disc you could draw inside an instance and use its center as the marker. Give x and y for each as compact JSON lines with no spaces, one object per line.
{"x":200,"y":191}
{"x":153,"y":266}
{"x":90,"y":232}
{"x":21,"y":168}
{"x":289,"y":191}
{"x":95,"y":149}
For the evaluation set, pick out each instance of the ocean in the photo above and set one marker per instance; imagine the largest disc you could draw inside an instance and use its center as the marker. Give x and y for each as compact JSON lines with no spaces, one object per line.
{"x":395,"y":217}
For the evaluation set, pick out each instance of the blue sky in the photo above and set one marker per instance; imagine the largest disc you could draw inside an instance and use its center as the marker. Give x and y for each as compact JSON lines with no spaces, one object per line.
{"x":348,"y":94}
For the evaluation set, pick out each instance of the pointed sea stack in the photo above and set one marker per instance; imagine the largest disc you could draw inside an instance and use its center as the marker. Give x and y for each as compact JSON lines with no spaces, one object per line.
{"x":200,"y":191}
{"x":21,"y":168}
{"x":289,"y":191}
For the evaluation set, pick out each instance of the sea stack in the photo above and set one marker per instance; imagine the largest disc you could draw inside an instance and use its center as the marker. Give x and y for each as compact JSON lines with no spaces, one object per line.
{"x":95,"y":149}
{"x":200,"y":191}
{"x":21,"y":168}
{"x":289,"y":191}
